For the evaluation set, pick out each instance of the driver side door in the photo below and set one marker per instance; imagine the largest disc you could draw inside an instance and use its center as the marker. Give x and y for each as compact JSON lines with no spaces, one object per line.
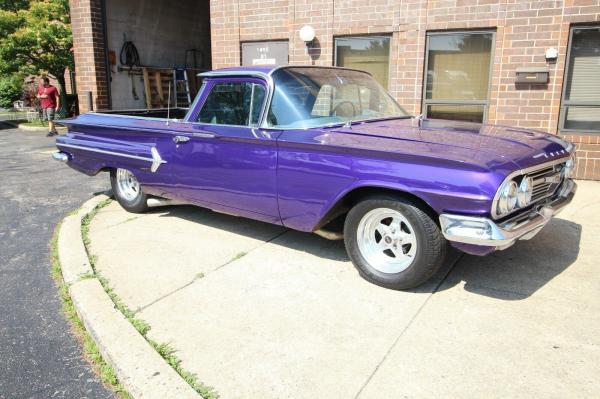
{"x":223,"y":160}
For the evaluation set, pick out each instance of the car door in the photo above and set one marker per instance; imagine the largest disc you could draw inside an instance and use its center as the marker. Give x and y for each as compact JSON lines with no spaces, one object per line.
{"x":223,"y":160}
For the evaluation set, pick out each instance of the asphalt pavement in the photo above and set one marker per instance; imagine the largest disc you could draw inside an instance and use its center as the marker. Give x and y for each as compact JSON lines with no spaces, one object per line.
{"x":39,"y":356}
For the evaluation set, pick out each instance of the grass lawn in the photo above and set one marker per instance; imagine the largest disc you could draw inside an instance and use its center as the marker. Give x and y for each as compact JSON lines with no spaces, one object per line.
{"x":34,"y":124}
{"x":14,"y":114}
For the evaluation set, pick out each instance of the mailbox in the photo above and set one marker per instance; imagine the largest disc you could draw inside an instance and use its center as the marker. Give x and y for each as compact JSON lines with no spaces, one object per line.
{"x":533,"y":75}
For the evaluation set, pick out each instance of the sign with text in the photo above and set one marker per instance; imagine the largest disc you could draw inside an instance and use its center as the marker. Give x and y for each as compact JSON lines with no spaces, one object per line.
{"x":265,"y":53}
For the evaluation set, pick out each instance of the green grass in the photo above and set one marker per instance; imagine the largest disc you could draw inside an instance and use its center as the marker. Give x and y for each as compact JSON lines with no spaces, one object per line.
{"x":163,"y":349}
{"x":34,"y":124}
{"x":239,"y":255}
{"x":13,"y":113}
{"x":90,"y":350}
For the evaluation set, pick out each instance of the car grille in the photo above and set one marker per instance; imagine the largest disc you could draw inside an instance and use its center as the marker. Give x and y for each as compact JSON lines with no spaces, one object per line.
{"x":546,"y":181}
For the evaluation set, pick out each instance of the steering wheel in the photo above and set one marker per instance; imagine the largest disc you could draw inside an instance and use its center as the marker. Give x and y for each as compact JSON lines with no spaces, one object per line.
{"x":334,"y":110}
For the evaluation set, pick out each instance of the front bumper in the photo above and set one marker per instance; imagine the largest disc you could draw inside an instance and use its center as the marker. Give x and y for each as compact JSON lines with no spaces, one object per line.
{"x":485,"y":232}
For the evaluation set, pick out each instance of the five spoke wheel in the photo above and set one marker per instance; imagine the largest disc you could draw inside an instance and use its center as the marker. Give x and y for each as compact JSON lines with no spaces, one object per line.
{"x":387,"y":240}
{"x":129,"y":187}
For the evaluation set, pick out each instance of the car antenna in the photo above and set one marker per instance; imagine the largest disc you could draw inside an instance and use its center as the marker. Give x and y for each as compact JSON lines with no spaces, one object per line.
{"x":169,"y":104}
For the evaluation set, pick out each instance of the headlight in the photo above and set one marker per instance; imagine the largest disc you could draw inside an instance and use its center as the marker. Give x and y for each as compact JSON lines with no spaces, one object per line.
{"x":525,"y":191}
{"x":507,"y":201}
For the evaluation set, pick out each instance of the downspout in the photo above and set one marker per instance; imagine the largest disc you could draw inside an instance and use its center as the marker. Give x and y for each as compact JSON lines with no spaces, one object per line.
{"x":106,"y":64}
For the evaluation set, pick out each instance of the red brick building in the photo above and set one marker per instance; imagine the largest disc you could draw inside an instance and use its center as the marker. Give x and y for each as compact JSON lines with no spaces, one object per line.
{"x":533,"y":64}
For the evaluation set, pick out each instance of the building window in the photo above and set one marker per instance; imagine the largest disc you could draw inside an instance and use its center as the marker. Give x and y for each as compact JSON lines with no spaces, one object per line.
{"x":367,"y":53}
{"x":581,"y":95}
{"x":457,"y":78}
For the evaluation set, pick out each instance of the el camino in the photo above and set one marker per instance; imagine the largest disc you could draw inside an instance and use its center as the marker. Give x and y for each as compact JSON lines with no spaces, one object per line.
{"x":327,"y":150}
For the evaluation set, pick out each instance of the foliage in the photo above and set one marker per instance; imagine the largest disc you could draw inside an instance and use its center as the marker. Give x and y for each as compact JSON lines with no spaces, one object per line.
{"x":103,"y":369}
{"x":13,"y":5}
{"x":10,"y":90}
{"x":163,"y":349}
{"x":35,"y":38}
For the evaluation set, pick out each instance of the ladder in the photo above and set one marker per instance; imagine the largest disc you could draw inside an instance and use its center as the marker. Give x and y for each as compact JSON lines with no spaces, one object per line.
{"x":181,"y":88}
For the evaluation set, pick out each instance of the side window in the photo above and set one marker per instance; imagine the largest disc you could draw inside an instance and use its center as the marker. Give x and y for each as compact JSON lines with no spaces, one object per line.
{"x":237,"y":104}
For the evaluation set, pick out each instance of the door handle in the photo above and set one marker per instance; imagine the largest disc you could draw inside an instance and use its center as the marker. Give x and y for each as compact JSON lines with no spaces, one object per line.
{"x":180,"y":139}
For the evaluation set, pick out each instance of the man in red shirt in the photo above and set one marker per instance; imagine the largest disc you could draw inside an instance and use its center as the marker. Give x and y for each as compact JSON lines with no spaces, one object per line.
{"x":50,"y":101}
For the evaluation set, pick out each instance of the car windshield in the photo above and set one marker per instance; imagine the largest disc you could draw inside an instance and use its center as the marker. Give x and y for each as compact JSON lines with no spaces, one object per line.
{"x":311,"y":97}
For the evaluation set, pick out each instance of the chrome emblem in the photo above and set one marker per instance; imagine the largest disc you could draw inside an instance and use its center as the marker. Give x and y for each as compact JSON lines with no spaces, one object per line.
{"x":554,"y":179}
{"x":549,"y":154}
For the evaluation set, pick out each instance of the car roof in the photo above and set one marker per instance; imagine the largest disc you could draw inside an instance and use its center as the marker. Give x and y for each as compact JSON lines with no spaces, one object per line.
{"x":261,"y":71}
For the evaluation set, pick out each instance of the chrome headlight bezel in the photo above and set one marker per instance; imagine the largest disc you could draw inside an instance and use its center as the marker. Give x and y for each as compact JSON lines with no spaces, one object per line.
{"x":507,"y":200}
{"x":518,"y":175}
{"x":569,"y":168}
{"x":525,"y":192}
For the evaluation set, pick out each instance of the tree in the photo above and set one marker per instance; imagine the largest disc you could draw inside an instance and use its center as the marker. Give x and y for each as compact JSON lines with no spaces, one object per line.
{"x":13,"y":5}
{"x":35,"y":39}
{"x":10,"y":90}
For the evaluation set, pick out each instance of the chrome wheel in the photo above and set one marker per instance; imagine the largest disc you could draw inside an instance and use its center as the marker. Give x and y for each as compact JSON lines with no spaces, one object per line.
{"x":386,"y":240}
{"x":127,"y":184}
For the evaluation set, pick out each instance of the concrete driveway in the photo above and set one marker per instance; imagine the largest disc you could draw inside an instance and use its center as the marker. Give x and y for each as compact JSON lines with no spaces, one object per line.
{"x":257,"y":311}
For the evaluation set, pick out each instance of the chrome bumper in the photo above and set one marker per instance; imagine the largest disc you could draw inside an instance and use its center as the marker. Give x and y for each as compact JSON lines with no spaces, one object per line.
{"x":60,"y":156}
{"x":485,"y":232}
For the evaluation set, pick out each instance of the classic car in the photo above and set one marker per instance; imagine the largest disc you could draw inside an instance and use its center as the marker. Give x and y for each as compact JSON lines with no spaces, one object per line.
{"x":328,"y":150}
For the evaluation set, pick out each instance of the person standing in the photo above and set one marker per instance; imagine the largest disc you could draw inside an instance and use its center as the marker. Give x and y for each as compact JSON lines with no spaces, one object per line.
{"x":50,"y":102}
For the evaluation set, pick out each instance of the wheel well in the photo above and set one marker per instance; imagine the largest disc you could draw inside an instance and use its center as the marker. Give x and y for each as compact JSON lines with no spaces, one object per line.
{"x":335,"y":217}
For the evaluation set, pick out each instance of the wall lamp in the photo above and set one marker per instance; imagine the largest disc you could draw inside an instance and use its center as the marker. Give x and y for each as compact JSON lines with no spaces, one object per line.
{"x":307,"y":35}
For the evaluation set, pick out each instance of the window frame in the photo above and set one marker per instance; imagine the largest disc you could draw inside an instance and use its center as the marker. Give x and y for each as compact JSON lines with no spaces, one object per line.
{"x":210,"y":85}
{"x":566,"y":104}
{"x":388,"y":36}
{"x":485,"y":103}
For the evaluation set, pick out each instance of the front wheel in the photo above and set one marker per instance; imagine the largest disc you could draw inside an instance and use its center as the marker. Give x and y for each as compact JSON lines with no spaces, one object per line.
{"x":393,"y":243}
{"x":127,"y":191}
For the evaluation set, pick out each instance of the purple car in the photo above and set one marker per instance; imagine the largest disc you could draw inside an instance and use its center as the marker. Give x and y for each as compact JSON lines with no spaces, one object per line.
{"x":327,"y":150}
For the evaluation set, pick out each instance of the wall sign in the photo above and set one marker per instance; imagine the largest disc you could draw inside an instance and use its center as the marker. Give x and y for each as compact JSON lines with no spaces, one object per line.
{"x":265,"y":53}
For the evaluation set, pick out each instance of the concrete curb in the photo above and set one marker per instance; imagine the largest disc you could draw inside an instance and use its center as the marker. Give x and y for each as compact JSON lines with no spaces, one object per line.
{"x":31,"y":128}
{"x":141,"y":370}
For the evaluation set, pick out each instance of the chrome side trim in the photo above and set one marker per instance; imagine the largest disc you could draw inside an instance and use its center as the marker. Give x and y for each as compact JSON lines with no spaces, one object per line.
{"x":483,"y":231}
{"x":519,"y":173}
{"x":156,"y":158}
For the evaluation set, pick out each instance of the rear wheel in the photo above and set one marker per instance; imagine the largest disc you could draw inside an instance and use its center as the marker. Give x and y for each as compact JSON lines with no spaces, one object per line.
{"x":393,"y":242}
{"x":127,"y":191}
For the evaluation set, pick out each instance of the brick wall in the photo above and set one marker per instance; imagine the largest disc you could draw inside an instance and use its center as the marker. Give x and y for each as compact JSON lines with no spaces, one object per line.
{"x":88,"y":48}
{"x":524,"y":30}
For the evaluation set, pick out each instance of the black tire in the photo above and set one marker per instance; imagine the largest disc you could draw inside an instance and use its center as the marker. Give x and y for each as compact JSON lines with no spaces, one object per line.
{"x":430,"y":250}
{"x":135,"y":205}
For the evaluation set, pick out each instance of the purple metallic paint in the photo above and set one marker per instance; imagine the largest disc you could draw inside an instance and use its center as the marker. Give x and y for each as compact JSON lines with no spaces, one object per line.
{"x":295,"y":177}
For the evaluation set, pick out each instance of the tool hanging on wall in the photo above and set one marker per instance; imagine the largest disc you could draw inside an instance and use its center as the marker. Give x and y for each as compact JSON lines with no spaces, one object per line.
{"x":130,"y":58}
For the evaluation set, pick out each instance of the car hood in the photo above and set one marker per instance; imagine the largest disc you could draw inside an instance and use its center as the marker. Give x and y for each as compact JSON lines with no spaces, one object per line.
{"x":481,"y":144}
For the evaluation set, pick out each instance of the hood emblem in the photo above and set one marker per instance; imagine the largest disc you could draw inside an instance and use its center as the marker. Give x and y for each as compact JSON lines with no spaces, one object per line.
{"x":549,"y":154}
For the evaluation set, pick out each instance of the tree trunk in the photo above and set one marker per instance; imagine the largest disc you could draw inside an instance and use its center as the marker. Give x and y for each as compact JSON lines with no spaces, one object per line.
{"x":60,"y":79}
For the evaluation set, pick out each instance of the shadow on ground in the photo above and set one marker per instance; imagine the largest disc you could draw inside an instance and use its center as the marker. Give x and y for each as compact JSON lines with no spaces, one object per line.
{"x":518,"y":272}
{"x":513,"y":274}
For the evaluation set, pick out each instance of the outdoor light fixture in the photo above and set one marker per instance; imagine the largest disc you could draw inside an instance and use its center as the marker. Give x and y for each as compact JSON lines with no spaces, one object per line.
{"x":307,"y":34}
{"x":551,"y":54}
